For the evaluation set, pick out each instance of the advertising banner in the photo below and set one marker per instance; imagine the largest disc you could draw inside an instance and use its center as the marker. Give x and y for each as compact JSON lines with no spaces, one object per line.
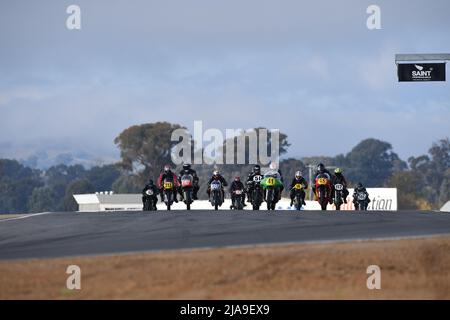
{"x":421,"y":72}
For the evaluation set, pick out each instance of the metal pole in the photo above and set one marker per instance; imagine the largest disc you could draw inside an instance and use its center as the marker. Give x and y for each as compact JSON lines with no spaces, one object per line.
{"x":310,"y":181}
{"x":422,"y":57}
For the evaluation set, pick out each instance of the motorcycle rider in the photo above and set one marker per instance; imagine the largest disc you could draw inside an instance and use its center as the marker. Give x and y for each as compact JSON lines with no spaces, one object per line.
{"x":237,"y":185}
{"x":298,"y":179}
{"x":322,"y":170}
{"x":188,"y":170}
{"x":250,"y":182}
{"x":150,"y":186}
{"x":339,"y":178}
{"x":216,"y":177}
{"x":360,"y":188}
{"x":275,"y":172}
{"x":171,"y":176}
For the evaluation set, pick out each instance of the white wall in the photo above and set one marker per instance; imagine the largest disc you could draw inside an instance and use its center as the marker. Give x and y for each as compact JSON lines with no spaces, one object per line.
{"x":381,"y":199}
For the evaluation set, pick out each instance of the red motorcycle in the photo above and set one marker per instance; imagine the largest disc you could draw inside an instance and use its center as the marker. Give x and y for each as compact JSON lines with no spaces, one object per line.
{"x":323,"y":190}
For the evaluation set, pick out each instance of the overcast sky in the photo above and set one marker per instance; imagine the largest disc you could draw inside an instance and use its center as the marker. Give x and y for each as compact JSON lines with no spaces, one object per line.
{"x":310,"y":68}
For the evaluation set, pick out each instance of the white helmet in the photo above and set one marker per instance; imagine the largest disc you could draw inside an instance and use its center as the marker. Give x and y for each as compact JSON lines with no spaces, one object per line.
{"x":298,"y":174}
{"x":273,"y":166}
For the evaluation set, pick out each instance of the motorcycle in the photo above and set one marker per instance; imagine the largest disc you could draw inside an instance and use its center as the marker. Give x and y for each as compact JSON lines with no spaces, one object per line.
{"x":323,"y":190}
{"x":338,"y":195}
{"x":150,"y":200}
{"x":216,"y":195}
{"x":271,"y":186}
{"x":299,"y":196}
{"x":256,"y":192}
{"x":238,"y":199}
{"x":168,"y":193}
{"x":187,"y":187}
{"x":360,"y":200}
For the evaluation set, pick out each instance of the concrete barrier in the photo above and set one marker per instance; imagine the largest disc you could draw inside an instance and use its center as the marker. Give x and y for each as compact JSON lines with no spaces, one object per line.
{"x":384,"y":199}
{"x":446,"y":207}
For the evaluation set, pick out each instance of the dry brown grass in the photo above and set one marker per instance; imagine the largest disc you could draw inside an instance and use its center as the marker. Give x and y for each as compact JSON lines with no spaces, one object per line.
{"x":411,"y":269}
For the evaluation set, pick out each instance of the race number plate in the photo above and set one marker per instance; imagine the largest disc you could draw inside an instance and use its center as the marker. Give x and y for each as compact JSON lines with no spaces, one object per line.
{"x":168,"y":185}
{"x":257,"y":178}
{"x":362,"y":196}
{"x":215,"y":186}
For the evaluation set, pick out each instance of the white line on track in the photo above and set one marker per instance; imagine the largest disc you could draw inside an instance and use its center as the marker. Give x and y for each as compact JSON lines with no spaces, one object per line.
{"x":25,"y":216}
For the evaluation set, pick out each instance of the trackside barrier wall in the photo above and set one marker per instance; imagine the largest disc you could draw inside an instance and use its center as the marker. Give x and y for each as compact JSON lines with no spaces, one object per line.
{"x":383,"y":199}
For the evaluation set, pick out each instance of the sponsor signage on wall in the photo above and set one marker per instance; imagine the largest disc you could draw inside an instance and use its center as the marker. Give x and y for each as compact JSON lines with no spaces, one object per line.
{"x":421,"y":72}
{"x":381,"y":199}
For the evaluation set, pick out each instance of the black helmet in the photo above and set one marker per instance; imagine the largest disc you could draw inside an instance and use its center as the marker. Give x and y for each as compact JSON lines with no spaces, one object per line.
{"x":150,"y":182}
{"x":257,"y":168}
{"x":359,"y":185}
{"x":320,"y":167}
{"x":186,"y":166}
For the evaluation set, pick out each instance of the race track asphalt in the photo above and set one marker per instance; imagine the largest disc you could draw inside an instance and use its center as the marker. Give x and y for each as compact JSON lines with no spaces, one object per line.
{"x":75,"y":234}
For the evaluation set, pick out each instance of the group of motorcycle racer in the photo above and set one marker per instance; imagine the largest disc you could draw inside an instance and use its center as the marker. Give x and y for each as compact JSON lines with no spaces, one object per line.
{"x":267,"y":187}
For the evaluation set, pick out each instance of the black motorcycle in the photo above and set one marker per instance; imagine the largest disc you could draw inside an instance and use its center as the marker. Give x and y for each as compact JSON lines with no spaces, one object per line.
{"x":360,"y":198}
{"x":168,"y":194}
{"x":257,"y":193}
{"x":150,"y":200}
{"x":216,"y":195}
{"x":238,"y":201}
{"x":271,"y":193}
{"x":299,"y":196}
{"x":187,"y":189}
{"x":338,"y":195}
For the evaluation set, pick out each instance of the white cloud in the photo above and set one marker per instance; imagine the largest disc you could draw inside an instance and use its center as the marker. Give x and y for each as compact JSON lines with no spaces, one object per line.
{"x":30,"y":94}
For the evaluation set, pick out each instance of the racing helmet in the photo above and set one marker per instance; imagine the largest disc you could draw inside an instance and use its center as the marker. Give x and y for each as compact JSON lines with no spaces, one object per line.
{"x":257,"y":168}
{"x":150,"y":182}
{"x":298,"y":174}
{"x":359,"y":186}
{"x":273,"y":166}
{"x":338,"y":170}
{"x":166,"y":168}
{"x":320,"y":167}
{"x":186,"y":166}
{"x":216,"y":173}
{"x":237,"y":178}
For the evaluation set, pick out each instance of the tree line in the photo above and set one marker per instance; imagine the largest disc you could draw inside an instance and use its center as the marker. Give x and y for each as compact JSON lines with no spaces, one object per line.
{"x":423,"y":182}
